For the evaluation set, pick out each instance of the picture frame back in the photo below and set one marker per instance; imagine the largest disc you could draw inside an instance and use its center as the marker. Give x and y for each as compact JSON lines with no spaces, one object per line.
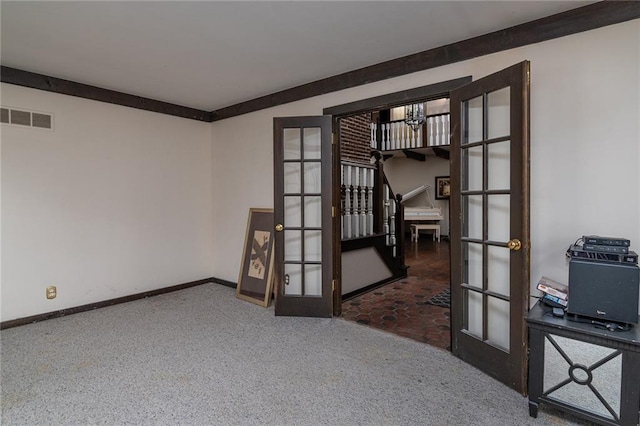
{"x":255,"y":282}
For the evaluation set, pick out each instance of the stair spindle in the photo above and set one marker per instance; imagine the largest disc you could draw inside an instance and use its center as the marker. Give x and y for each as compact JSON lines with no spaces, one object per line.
{"x":447,"y":129}
{"x":363,"y":194}
{"x":348,"y":203}
{"x":356,"y":197}
{"x":430,"y":135}
{"x":370,"y":202}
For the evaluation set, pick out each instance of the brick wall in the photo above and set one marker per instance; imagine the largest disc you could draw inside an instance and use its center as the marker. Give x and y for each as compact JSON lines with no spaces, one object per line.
{"x":355,"y":138}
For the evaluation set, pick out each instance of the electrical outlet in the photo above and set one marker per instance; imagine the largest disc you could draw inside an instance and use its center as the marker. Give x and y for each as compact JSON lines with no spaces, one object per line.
{"x":52,"y":292}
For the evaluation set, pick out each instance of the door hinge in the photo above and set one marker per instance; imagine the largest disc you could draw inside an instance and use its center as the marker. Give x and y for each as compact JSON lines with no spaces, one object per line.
{"x":333,"y":285}
{"x":334,"y":139}
{"x":334,"y":211}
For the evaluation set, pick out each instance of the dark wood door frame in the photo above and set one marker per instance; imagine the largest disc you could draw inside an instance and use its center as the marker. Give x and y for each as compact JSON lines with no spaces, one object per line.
{"x":562,"y":24}
{"x":391,"y":100}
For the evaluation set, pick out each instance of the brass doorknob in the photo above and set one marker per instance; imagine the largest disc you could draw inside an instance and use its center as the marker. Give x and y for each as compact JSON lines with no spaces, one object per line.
{"x":279,"y":227}
{"x":514,"y":244}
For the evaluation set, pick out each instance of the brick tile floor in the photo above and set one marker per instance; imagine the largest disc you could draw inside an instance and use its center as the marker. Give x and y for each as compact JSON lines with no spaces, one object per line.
{"x":400,"y":307}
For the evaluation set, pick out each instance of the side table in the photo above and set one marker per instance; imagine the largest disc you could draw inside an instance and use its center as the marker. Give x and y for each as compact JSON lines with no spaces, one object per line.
{"x":579,"y":368}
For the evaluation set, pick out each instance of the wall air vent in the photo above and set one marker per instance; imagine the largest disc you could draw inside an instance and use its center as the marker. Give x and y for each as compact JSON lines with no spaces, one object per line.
{"x":41,"y":120}
{"x":20,"y":117}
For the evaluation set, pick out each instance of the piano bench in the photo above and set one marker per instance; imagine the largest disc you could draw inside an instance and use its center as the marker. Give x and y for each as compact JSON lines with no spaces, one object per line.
{"x":417,"y":227}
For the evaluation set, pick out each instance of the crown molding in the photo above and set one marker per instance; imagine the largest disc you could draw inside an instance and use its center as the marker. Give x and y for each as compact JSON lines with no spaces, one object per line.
{"x":573,"y":21}
{"x":72,"y":88}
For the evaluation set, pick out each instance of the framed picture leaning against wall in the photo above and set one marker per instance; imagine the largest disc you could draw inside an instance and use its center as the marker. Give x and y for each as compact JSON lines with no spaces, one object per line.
{"x":256,"y":271}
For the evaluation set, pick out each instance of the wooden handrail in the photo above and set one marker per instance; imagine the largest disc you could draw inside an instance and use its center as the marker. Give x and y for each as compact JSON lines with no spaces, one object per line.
{"x":355,"y":163}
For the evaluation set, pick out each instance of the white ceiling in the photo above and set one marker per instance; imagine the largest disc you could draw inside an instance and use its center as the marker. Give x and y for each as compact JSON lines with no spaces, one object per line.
{"x":212,"y":54}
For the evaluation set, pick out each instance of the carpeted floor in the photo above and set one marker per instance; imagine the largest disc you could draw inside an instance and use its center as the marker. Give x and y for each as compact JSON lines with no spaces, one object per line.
{"x":202,"y":357}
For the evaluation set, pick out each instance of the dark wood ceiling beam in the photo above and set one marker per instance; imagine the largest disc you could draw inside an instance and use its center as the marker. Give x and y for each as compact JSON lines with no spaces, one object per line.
{"x":71,"y":88}
{"x":418,"y":156}
{"x":570,"y":22}
{"x":441,"y":153}
{"x":424,"y":93}
{"x":562,"y":24}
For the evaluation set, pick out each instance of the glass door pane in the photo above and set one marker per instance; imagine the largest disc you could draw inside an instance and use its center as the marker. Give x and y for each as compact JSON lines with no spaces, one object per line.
{"x":489,"y":159}
{"x":498,"y":109}
{"x":486,"y":212}
{"x":301,"y":243}
{"x":499,"y":165}
{"x":474,"y":118}
{"x":472,"y":167}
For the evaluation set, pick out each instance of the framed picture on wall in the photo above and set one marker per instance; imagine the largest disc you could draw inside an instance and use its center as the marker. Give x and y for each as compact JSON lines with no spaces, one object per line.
{"x":256,"y":271}
{"x":443,"y":187}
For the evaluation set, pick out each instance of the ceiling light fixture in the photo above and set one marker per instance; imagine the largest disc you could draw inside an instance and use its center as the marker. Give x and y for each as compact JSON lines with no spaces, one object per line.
{"x":414,"y":115}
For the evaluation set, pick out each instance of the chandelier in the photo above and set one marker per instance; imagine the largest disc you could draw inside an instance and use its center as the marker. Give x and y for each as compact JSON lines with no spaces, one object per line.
{"x":414,"y":115}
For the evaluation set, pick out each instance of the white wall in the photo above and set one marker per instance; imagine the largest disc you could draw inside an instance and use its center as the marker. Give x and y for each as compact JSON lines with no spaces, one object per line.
{"x":584,"y":144}
{"x":405,"y":174}
{"x":355,"y":278}
{"x":115,"y":201}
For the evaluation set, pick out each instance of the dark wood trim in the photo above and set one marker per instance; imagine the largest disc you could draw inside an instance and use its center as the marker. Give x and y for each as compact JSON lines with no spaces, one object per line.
{"x":573,"y":21}
{"x":441,"y":153}
{"x":360,"y":243}
{"x":399,"y":230}
{"x":414,"y":155}
{"x":71,"y":88}
{"x":225,"y":283}
{"x":336,"y":237}
{"x":368,"y":288}
{"x":424,"y":93}
{"x":105,"y":303}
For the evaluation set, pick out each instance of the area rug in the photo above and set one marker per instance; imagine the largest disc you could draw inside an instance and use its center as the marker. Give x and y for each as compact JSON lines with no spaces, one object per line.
{"x":441,"y":299}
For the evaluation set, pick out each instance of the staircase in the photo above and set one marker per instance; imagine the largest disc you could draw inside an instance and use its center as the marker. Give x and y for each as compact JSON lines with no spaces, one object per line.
{"x":372,"y":230}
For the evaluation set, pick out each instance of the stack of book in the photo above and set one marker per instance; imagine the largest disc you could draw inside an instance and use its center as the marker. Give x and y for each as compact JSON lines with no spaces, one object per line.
{"x":554,"y":293}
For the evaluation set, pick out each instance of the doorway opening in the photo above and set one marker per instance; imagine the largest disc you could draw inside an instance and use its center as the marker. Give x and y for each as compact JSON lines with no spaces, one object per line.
{"x":416,"y":307}
{"x":412,"y":297}
{"x":489,"y":211}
